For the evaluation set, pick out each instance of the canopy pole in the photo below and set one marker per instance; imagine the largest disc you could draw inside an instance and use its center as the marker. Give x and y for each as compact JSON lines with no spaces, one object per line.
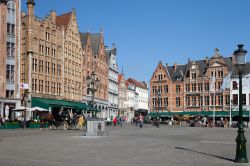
{"x":214,"y":110}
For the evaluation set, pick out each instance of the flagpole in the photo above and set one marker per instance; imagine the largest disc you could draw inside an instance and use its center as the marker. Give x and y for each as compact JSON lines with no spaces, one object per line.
{"x":230,"y":105}
{"x":214,"y":109}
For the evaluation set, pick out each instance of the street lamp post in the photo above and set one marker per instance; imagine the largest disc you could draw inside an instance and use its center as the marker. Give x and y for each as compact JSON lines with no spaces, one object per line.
{"x":241,"y":151}
{"x":158,"y":110}
{"x":93,"y":84}
{"x":24,"y":103}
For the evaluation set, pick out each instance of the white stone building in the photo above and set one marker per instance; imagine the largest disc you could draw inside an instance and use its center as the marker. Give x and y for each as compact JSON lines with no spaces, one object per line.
{"x":141,"y":90}
{"x":132,"y":101}
{"x":112,"y":110}
{"x":10,"y":57}
{"x":234,"y":89}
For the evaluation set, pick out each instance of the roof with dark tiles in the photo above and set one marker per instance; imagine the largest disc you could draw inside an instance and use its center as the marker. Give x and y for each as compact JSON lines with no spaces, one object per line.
{"x":95,"y":42}
{"x":203,"y":65}
{"x":177,"y":72}
{"x":83,"y":37}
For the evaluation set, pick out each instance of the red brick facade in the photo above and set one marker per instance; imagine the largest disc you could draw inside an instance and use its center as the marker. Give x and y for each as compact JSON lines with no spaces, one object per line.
{"x":187,"y":87}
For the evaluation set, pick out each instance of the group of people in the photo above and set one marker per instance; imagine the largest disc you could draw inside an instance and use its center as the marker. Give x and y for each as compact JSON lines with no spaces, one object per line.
{"x":138,"y":121}
{"x":67,"y":120}
{"x":116,"y":121}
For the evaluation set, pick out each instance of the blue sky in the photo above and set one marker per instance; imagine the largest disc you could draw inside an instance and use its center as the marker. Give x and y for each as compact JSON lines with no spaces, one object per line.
{"x":146,"y":31}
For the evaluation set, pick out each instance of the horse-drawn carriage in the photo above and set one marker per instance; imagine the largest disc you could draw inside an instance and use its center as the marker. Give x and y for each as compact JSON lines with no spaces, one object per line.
{"x":65,"y":121}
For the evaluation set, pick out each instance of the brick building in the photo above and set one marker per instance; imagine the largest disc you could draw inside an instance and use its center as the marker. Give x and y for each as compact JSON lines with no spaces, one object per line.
{"x":73,"y":56}
{"x":95,"y":60}
{"x":122,"y":95}
{"x":42,"y":54}
{"x":166,"y":88}
{"x":52,"y":60}
{"x":10,"y":56}
{"x":187,"y":88}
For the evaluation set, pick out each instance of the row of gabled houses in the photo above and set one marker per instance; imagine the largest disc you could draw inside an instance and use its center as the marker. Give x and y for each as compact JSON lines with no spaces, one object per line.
{"x":187,"y":89}
{"x":47,"y":61}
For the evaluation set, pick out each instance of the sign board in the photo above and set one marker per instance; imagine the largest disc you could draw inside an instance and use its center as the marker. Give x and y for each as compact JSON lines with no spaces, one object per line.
{"x":24,"y":86}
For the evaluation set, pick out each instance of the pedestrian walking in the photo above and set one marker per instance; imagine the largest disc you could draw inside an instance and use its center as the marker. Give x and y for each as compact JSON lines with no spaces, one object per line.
{"x":121,"y":121}
{"x":108,"y":121}
{"x":115,"y":121}
{"x":140,"y":121}
{"x":81,"y":122}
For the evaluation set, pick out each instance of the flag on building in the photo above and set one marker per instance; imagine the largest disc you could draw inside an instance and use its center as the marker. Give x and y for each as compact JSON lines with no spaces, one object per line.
{"x":226,"y":82}
{"x":212,"y":84}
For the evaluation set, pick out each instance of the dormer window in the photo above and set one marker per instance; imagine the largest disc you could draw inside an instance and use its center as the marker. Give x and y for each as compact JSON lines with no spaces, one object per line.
{"x":193,"y":75}
{"x":178,"y":78}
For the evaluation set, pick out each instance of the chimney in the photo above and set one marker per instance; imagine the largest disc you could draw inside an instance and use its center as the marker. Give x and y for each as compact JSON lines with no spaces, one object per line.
{"x":206,"y":60}
{"x":53,"y":16}
{"x":175,"y":66}
{"x":188,"y":60}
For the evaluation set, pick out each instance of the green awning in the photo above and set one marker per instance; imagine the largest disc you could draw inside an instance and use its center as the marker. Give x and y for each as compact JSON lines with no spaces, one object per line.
{"x":46,"y":103}
{"x":161,"y":114}
{"x":199,"y":113}
{"x":236,"y":113}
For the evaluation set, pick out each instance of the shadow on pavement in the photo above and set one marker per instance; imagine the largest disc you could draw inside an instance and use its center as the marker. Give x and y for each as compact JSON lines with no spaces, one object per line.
{"x":224,"y":158}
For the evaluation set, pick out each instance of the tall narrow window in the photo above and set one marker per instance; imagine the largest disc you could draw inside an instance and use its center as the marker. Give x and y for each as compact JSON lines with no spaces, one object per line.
{"x":160,"y":77}
{"x":187,"y":87}
{"x":235,"y":99}
{"x":165,"y":88}
{"x":194,"y":87}
{"x":10,"y":70}
{"x":243,"y":99}
{"x":207,"y":100}
{"x":178,"y":102}
{"x":47,"y":36}
{"x":200,"y":100}
{"x":193,"y":100}
{"x":235,"y":85}
{"x":187,"y":98}
{"x":165,"y":102}
{"x":10,"y":50}
{"x":220,"y":100}
{"x":227,"y":99}
{"x":200,"y":87}
{"x":178,"y":88}
{"x":206,"y":86}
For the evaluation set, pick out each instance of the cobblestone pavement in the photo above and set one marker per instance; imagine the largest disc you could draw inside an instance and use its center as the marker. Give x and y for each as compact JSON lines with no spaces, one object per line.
{"x":124,"y":146}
